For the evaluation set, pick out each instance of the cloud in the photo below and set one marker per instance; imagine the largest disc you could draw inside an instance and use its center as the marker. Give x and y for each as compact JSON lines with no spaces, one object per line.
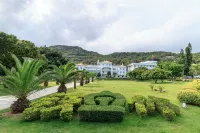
{"x":104,"y":26}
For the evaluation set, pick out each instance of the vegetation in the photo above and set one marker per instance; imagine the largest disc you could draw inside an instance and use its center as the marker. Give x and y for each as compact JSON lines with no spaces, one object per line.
{"x":22,"y":81}
{"x":58,"y":105}
{"x":64,"y":74}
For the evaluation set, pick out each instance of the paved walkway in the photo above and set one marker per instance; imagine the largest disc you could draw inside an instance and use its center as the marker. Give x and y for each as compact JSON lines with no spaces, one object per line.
{"x":6,"y":101}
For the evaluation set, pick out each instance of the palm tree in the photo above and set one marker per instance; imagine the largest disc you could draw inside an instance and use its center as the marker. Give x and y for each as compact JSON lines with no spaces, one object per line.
{"x":23,"y":81}
{"x":63,"y":75}
{"x":76,"y":77}
{"x":92,"y":76}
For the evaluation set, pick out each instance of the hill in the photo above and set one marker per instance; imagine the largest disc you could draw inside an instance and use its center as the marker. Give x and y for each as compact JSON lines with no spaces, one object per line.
{"x":78,"y":54}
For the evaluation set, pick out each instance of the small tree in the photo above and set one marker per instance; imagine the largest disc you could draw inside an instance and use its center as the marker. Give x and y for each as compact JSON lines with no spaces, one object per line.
{"x":158,"y":74}
{"x":63,"y":75}
{"x":92,"y":76}
{"x":109,"y":74}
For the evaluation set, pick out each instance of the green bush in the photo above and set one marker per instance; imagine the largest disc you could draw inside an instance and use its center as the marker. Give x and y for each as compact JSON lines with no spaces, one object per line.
{"x":189,"y":96}
{"x":98,"y":113}
{"x":59,"y":95}
{"x":66,"y":113}
{"x":175,"y":108}
{"x":104,"y":101}
{"x":140,"y":109}
{"x":31,"y":114}
{"x":50,"y":113}
{"x":130,"y":105}
{"x":139,"y":99}
{"x":150,"y":106}
{"x":39,"y":104}
{"x":168,"y":113}
{"x":178,"y":79}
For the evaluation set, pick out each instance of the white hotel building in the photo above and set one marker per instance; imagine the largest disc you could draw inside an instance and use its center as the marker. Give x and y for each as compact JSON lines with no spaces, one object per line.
{"x":116,"y":70}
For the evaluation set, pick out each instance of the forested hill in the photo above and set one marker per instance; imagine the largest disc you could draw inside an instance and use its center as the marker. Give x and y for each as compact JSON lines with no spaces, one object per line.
{"x":78,"y":54}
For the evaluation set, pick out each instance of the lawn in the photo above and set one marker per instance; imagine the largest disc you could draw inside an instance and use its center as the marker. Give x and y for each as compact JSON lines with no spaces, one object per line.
{"x":188,"y":122}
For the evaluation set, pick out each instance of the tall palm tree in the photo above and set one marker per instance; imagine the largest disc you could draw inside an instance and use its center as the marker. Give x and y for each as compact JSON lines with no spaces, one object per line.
{"x":23,"y":81}
{"x":76,"y":77}
{"x":63,"y":75}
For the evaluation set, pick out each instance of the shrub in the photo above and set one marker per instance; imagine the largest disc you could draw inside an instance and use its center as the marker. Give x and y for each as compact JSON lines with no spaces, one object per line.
{"x":150,"y":106}
{"x":101,"y":113}
{"x":104,"y":101}
{"x":189,"y":96}
{"x":151,"y":86}
{"x":39,"y":104}
{"x":139,"y":99}
{"x":66,"y":113}
{"x":140,"y":109}
{"x":59,"y":95}
{"x":50,"y":113}
{"x":31,"y":114}
{"x":168,"y":113}
{"x":175,"y":108}
{"x":178,"y":79}
{"x":130,"y":105}
{"x":161,"y":88}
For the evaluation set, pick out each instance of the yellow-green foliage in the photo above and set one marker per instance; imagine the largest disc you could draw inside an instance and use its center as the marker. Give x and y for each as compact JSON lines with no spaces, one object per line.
{"x":57,"y":105}
{"x":189,"y":96}
{"x":140,"y":109}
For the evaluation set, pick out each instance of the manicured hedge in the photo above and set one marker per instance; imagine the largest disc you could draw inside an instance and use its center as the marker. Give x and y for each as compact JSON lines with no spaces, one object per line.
{"x":50,"y":113}
{"x":58,"y":105}
{"x":31,"y":114}
{"x":103,"y":106}
{"x":189,"y":96}
{"x":66,"y":113}
{"x":98,"y":113}
{"x":144,"y":106}
{"x":150,"y":106}
{"x":140,"y":109}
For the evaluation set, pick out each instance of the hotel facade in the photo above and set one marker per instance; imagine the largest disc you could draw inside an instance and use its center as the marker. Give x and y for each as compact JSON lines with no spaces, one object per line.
{"x":115,"y":70}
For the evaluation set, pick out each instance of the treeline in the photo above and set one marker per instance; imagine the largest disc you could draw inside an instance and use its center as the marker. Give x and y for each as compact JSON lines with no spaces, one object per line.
{"x":61,"y":54}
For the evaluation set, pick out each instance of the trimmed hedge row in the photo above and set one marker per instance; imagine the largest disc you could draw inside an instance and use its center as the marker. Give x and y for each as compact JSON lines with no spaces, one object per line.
{"x":144,"y":106}
{"x":54,"y":106}
{"x":96,"y":113}
{"x":103,"y":106}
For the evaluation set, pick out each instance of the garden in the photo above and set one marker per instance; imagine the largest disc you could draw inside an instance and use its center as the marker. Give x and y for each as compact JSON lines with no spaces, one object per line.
{"x":65,"y":118}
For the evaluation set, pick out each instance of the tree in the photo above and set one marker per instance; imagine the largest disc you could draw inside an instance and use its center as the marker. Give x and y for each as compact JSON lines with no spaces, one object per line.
{"x":138,"y":72}
{"x":188,"y":59}
{"x":158,"y":74}
{"x":98,"y":75}
{"x":53,"y":57}
{"x":63,"y":75}
{"x":93,"y":75}
{"x":182,"y":57}
{"x":23,"y":81}
{"x":175,"y":69}
{"x":195,"y":69}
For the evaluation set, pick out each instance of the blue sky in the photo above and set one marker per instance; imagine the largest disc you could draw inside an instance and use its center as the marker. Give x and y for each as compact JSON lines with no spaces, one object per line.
{"x":105,"y":26}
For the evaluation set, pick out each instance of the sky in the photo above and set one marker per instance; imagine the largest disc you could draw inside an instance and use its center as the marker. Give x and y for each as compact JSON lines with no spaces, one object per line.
{"x":105,"y":26}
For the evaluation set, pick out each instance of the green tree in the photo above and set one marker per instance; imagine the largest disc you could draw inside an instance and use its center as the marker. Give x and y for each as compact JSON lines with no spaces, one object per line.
{"x":63,"y":75}
{"x":182,"y":57}
{"x":188,"y":59}
{"x":138,"y":72}
{"x":93,"y":75}
{"x":23,"y":81}
{"x":195,"y":69}
{"x":175,"y":69}
{"x":158,"y":74}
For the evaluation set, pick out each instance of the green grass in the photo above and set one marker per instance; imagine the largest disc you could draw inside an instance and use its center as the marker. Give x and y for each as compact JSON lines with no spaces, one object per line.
{"x":188,"y":122}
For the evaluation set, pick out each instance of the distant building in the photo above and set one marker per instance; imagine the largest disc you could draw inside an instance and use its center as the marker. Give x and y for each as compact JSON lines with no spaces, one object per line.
{"x":103,"y":68}
{"x":148,"y":64}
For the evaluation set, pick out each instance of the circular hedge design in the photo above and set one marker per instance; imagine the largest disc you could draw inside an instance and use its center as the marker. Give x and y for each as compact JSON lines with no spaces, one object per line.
{"x":103,"y":106}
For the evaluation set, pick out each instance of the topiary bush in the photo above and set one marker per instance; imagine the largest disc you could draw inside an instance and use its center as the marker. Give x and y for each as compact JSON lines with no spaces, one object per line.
{"x":50,"y":113}
{"x":98,"y":113}
{"x":57,"y":105}
{"x":140,"y":109}
{"x":189,"y":96}
{"x":150,"y":106}
{"x":144,"y":106}
{"x":66,"y":113}
{"x":31,"y":114}
{"x":103,"y":106}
